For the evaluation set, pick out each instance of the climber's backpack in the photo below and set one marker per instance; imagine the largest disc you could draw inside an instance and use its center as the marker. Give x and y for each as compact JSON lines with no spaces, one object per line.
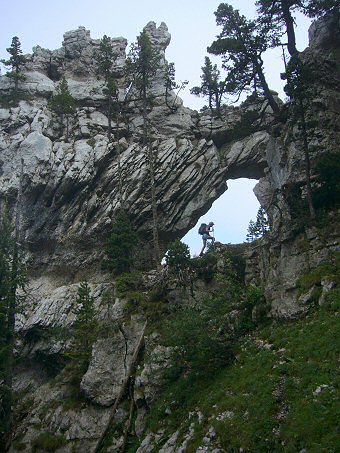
{"x":202,"y":228}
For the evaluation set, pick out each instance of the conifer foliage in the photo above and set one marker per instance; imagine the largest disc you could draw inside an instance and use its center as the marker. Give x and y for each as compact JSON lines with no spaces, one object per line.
{"x":85,"y":325}
{"x":105,"y":57}
{"x":121,"y":245}
{"x":241,"y":44}
{"x":260,"y":227}
{"x":16,"y":62}
{"x":63,"y":104}
{"x":212,"y":86}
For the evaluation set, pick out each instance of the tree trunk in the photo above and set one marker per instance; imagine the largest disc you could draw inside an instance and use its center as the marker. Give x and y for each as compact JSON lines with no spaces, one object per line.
{"x":109,"y":111}
{"x":265,"y":87}
{"x":67,"y":127}
{"x":151,"y":166}
{"x":131,"y":371}
{"x":289,"y":22}
{"x":307,"y":159}
{"x":11,"y":312}
{"x":130,"y":419}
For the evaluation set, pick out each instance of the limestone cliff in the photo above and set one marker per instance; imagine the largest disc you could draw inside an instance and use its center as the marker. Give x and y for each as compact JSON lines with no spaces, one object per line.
{"x":71,"y":195}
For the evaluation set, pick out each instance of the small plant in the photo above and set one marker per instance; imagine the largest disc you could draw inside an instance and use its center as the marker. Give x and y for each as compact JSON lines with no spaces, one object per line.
{"x":91,"y":142}
{"x":48,"y":442}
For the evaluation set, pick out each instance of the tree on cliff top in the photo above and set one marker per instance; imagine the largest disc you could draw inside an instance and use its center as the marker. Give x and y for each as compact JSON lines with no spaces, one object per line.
{"x":212,"y":86}
{"x":16,"y":62}
{"x":170,"y":85}
{"x":241,"y":45}
{"x":105,"y":58}
{"x":279,"y":14}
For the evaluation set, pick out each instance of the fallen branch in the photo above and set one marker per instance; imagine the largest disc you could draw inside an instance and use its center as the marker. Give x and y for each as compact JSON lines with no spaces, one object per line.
{"x":122,"y":389}
{"x":131,"y":411}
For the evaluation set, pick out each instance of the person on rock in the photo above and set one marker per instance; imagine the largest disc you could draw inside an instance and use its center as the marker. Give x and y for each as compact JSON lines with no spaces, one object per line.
{"x":204,"y":230}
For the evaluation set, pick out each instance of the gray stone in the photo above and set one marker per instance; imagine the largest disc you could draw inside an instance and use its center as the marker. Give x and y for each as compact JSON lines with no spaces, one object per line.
{"x":109,"y":365}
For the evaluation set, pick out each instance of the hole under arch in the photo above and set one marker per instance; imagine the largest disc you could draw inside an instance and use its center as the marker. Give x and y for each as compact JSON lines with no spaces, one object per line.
{"x":231,"y":213}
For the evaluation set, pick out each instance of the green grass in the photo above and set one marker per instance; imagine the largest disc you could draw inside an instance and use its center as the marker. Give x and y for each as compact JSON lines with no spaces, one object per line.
{"x":298,"y":372}
{"x":312,"y":346}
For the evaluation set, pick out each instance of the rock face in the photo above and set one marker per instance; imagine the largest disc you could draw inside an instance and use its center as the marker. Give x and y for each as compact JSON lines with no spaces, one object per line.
{"x":70,"y":192}
{"x":71,"y":187}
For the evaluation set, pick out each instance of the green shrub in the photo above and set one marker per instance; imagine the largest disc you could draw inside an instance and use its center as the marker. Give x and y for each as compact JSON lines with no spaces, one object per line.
{"x":205,"y":266}
{"x":199,"y":344}
{"x":329,"y":270}
{"x":327,"y":192}
{"x":91,"y":142}
{"x":129,"y":281}
{"x":178,"y":255}
{"x":332,"y":300}
{"x":48,"y":442}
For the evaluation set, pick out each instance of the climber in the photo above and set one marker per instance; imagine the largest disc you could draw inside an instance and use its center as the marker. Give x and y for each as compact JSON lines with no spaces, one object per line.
{"x":204,"y":230}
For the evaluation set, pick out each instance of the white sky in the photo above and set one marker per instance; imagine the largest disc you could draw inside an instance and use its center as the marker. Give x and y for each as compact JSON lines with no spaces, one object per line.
{"x":192,"y":27}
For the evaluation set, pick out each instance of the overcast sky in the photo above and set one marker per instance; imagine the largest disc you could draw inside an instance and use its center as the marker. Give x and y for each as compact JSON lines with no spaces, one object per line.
{"x":192,"y":27}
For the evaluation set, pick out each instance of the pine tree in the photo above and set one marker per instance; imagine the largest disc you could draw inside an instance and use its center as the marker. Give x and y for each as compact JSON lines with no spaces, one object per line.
{"x":16,"y":61}
{"x":259,"y":228}
{"x":85,"y":325}
{"x":121,"y":245}
{"x":241,"y":44}
{"x":212,"y":86}
{"x":63,"y":104}
{"x":105,"y":57}
{"x":171,"y":85}
{"x":252,"y":232}
{"x":142,"y":65}
{"x":279,"y":14}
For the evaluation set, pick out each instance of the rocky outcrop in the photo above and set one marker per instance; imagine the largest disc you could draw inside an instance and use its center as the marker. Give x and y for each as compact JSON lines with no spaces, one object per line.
{"x":70,"y":191}
{"x":71,"y":187}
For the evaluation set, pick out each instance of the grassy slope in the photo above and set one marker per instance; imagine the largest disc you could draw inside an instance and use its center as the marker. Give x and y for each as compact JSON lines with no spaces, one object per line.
{"x":280,"y":395}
